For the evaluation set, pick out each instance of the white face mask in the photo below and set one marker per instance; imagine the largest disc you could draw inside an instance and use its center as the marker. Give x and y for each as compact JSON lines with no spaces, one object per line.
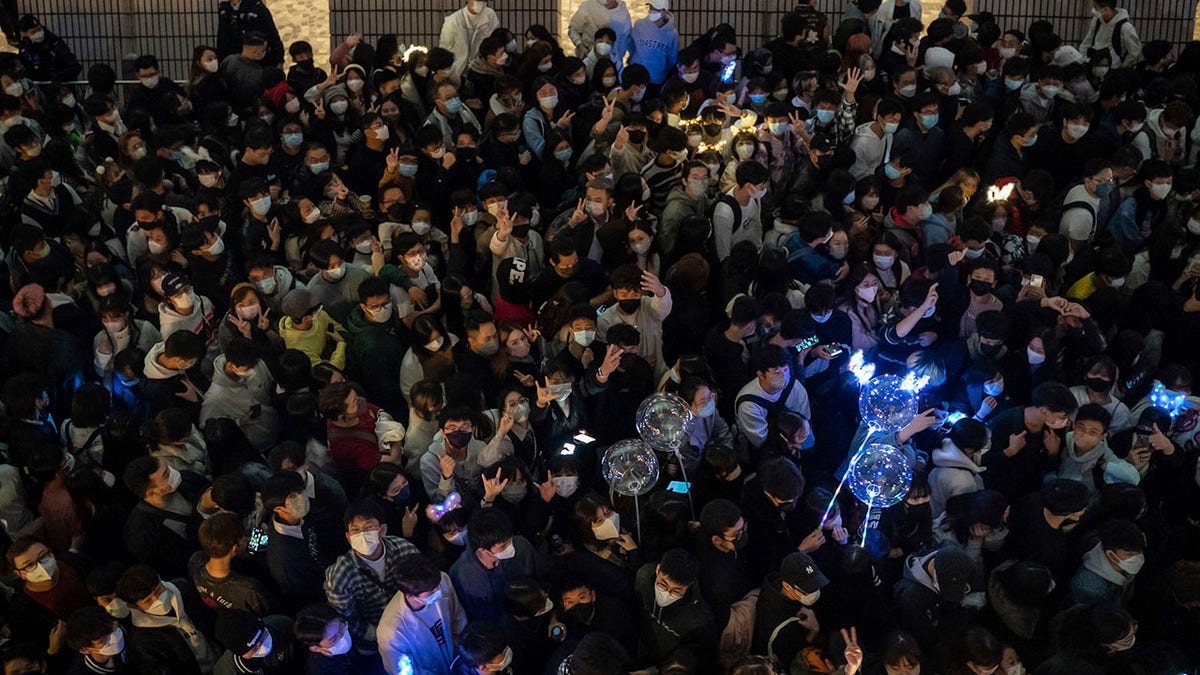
{"x":117,"y":608}
{"x":161,"y":605}
{"x":745,"y":151}
{"x":603,"y":49}
{"x":884,"y":262}
{"x":609,"y":529}
{"x":565,"y":486}
{"x":339,"y":107}
{"x":42,"y":572}
{"x":365,"y":543}
{"x":435,"y":345}
{"x":1035,"y":358}
{"x":1008,"y":52}
{"x":115,"y":643}
{"x":664,"y":598}
{"x":868,"y":294}
{"x":1160,"y":190}
{"x":583,"y":337}
{"x":342,"y":645}
{"x":264,"y":647}
{"x":1133,"y":564}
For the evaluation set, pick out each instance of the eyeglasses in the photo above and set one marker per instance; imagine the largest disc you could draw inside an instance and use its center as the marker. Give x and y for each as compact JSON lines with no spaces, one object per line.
{"x":44,"y":557}
{"x":673,"y":592}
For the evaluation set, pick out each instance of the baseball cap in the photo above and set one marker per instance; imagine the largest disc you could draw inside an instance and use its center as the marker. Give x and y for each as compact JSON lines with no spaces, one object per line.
{"x":953,"y":568}
{"x":1063,"y":497}
{"x":174,"y":283}
{"x":238,"y":630}
{"x":799,"y":570}
{"x":297,"y":303}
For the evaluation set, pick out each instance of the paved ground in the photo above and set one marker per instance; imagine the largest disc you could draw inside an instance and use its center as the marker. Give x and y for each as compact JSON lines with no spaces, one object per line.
{"x":302,"y":20}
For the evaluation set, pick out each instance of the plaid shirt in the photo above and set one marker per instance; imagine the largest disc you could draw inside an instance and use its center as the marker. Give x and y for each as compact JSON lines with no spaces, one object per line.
{"x":360,"y":596}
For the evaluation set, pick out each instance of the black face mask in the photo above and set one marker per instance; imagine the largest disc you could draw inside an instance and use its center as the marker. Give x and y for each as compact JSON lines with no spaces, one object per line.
{"x":459,"y":439}
{"x":521,"y":231}
{"x":980,"y":288}
{"x":304,"y":66}
{"x":740,"y":542}
{"x":395,"y":213}
{"x":990,"y":350}
{"x":582,"y":613}
{"x":920,"y":512}
{"x":637,"y":136}
{"x":629,"y":361}
{"x":466,"y":154}
{"x":711,"y":129}
{"x":1098,"y":384}
{"x":630,"y":306}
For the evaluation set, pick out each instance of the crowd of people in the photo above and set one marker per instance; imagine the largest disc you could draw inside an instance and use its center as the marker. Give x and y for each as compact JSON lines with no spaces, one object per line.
{"x":312,"y":368}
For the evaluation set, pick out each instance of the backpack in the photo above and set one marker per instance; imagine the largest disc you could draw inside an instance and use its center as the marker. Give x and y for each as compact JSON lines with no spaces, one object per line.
{"x":734,"y":206}
{"x":1117,"y":46}
{"x":773,"y":408}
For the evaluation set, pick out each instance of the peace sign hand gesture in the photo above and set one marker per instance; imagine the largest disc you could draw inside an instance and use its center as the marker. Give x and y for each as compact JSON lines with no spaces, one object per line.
{"x":853,"y":653}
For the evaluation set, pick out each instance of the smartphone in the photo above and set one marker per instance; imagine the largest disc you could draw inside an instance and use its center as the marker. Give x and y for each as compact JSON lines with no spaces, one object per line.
{"x":582,"y":437}
{"x":835,"y":350}
{"x":567,"y":449}
{"x":951,"y":419}
{"x":727,"y":73}
{"x":600,"y":310}
{"x":807,"y":343}
{"x":1037,"y":280}
{"x":679,"y":487}
{"x":258,"y":540}
{"x":1141,"y":440}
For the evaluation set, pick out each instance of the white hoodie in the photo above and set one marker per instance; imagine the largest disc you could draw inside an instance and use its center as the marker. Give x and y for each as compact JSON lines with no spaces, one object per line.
{"x":954,"y":473}
{"x":236,"y":399}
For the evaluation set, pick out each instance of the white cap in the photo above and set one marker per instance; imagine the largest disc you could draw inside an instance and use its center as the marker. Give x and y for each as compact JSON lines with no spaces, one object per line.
{"x":1079,"y":230}
{"x":1066,"y":55}
{"x":939,"y":57}
{"x":660,"y":5}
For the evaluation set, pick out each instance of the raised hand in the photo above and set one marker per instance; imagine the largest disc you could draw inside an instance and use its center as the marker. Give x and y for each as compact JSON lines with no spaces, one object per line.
{"x":319,"y":109}
{"x":578,"y":215}
{"x":408,"y":523}
{"x":546,"y":490}
{"x":812,"y":542}
{"x":492,"y":487}
{"x":853,"y":653}
{"x":264,"y":319}
{"x":417,"y":297}
{"x":393,"y":160}
{"x":1016,"y":443}
{"x":1161,"y":442}
{"x":565,"y":120}
{"x":1052,"y":441}
{"x":632,"y":211}
{"x":612,"y":359}
{"x":854,"y":78}
{"x":650,"y":283}
{"x":544,"y":396}
{"x":621,"y":139}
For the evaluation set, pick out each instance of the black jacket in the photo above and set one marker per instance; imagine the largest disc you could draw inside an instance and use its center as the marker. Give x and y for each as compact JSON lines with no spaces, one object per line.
{"x":150,"y":541}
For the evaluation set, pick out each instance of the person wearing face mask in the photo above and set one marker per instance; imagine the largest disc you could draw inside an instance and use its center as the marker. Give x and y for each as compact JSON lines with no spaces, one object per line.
{"x":156,"y":532}
{"x":52,"y":589}
{"x":1087,"y":457}
{"x":493,"y":555}
{"x":872,"y":142}
{"x":1110,"y":29}
{"x":934,"y":585}
{"x":785,"y":618}
{"x":354,"y":581}
{"x":464,"y":31}
{"x":1107,"y":572}
{"x":423,"y":621}
{"x":957,"y":463}
{"x":162,"y":613}
{"x":185,"y":310}
{"x":654,"y":42}
{"x":101,"y":645}
{"x":373,"y":338}
{"x":46,"y":56}
{"x":1099,"y":387}
{"x":707,"y":426}
{"x":452,"y":462}
{"x":1027,"y":441}
{"x":252,"y":644}
{"x":1040,"y":525}
{"x":325,"y":636}
{"x":170,"y":378}
{"x":1145,"y":211}
{"x":674,"y":614}
{"x":366,"y":161}
{"x":473,"y":377}
{"x":737,"y":216}
{"x":241,"y":389}
{"x":594,"y":16}
{"x":1111,"y":268}
{"x":305,"y":326}
{"x":723,"y":576}
{"x":294,"y":556}
{"x":516,"y":432}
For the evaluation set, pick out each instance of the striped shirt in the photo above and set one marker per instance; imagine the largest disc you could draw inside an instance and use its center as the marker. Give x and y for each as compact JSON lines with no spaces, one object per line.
{"x":359,"y":594}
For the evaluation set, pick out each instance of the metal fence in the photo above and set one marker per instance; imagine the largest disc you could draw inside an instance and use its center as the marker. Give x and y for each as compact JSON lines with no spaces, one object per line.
{"x":113,"y":31}
{"x":420,"y":21}
{"x":116,"y":31}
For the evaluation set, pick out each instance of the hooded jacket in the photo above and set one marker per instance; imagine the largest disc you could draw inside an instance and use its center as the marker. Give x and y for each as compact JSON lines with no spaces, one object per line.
{"x":687,"y":622}
{"x":162,"y":383}
{"x":427,"y":636}
{"x":1098,"y":581}
{"x":954,"y":473}
{"x":375,"y":355}
{"x":246,"y":400}
{"x":1079,"y":467}
{"x":313,"y":342}
{"x":679,"y":206}
{"x":1100,"y":36}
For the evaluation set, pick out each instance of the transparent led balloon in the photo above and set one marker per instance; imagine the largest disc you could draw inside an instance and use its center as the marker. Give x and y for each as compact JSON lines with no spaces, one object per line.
{"x":880,"y":475}
{"x":662,"y":421}
{"x":630,"y":467}
{"x":886,"y":403}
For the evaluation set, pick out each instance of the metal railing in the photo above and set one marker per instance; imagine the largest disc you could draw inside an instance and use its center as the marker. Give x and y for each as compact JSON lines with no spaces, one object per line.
{"x":420,"y":21}
{"x":99,"y":32}
{"x":116,"y":31}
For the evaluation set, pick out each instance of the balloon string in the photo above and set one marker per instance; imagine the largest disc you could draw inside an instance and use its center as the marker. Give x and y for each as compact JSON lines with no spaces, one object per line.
{"x":846,"y":473}
{"x":866,"y":525}
{"x":637,"y":518}
{"x":683,"y":472}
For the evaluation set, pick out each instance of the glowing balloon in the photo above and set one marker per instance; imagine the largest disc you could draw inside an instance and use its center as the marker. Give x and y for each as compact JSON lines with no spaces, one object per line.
{"x":662,"y":421}
{"x":880,"y":475}
{"x":630,"y":467}
{"x":885,"y":404}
